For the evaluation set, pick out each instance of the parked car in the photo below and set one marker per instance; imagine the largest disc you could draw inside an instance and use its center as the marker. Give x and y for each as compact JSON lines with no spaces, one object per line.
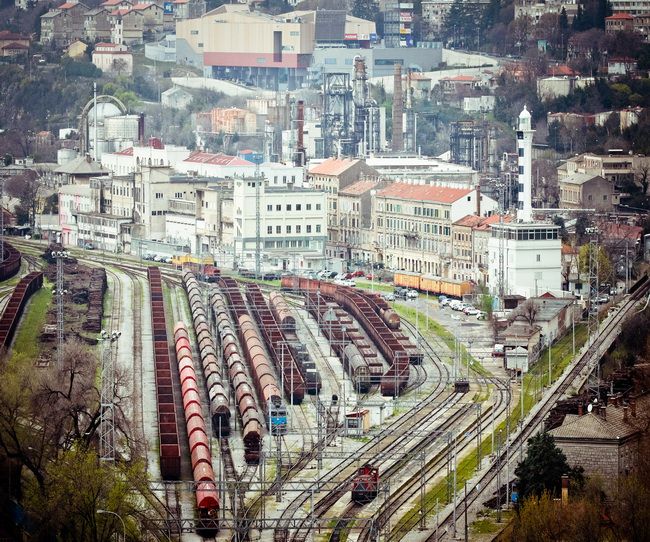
{"x":271,"y":275}
{"x":445,"y":302}
{"x":358,"y":273}
{"x":89,"y":246}
{"x":389,"y":297}
{"x":411,"y":294}
{"x":471,"y":311}
{"x":480,"y":315}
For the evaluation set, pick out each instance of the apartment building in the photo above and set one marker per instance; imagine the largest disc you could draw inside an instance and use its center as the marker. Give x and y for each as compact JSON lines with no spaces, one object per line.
{"x":63,"y":24}
{"x":331,"y":176}
{"x":414,"y":224}
{"x":588,"y":191}
{"x":97,"y":24}
{"x":292,"y":225}
{"x":616,"y":167}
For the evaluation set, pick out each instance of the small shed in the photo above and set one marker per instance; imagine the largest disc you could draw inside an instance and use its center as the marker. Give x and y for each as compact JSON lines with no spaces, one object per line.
{"x":357,"y":422}
{"x":517,"y":359}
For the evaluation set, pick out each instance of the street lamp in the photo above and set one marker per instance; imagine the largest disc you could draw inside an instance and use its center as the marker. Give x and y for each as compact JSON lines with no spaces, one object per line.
{"x":100,"y":511}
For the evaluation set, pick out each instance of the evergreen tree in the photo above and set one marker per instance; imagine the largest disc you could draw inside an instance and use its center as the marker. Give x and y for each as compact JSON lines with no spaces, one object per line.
{"x":543,"y":467}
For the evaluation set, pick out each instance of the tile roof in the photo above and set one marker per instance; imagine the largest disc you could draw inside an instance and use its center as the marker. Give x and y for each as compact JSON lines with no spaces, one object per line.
{"x":126,"y":152}
{"x":333,"y":166}
{"x":219,"y":159}
{"x":594,"y":426}
{"x":113,"y":2}
{"x":105,"y":44}
{"x":14,"y":45}
{"x":493,"y":219}
{"x":68,"y":5}
{"x":9,"y":35}
{"x":358,"y":188}
{"x":580,"y":178}
{"x":424,"y":192}
{"x":611,"y":230}
{"x":623,"y":16}
{"x":460,"y":78}
{"x":469,"y":221}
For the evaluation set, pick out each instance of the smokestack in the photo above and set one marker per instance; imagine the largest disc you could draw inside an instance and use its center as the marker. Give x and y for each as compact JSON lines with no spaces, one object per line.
{"x":603,"y":412}
{"x":633,"y":407}
{"x":565,"y":490}
{"x":478,"y":200}
{"x":141,"y":129}
{"x":625,"y":413}
{"x":398,"y":110}
{"x":580,"y":409}
{"x":300,"y":154}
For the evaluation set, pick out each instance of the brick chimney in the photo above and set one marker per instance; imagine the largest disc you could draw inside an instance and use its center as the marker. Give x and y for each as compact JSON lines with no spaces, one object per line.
{"x":633,"y":407}
{"x":615,"y":400}
{"x":625,"y":413}
{"x":603,"y":412}
{"x":565,"y":490}
{"x":478,"y":200}
{"x":580,"y":409}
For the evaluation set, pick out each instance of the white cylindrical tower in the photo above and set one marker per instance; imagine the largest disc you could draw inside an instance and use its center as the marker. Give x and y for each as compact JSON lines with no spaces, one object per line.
{"x":525,"y":163}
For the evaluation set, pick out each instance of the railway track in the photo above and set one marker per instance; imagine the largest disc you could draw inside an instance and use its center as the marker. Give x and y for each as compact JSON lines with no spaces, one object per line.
{"x":587,"y":359}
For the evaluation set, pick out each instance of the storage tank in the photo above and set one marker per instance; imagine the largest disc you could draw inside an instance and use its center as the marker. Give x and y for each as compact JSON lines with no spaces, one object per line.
{"x":63,"y":156}
{"x":121,"y":127}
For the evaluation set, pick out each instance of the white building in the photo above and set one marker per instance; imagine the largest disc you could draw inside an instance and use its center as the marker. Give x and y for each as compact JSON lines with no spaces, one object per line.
{"x":423,"y":170}
{"x":525,"y":259}
{"x":525,"y":163}
{"x":113,"y":58}
{"x":223,"y":166}
{"x":292,"y":225}
{"x":131,"y":159}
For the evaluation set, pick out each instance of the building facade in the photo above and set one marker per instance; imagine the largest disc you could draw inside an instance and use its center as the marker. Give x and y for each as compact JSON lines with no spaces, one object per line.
{"x":63,"y":24}
{"x":586,"y":191}
{"x":524,"y":259}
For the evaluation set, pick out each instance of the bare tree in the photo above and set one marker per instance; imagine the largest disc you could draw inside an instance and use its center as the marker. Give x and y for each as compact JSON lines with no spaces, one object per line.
{"x":642,"y":176}
{"x":527,"y":311}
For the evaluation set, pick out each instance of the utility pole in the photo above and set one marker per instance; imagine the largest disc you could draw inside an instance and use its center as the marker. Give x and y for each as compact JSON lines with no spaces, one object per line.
{"x":258,"y":225}
{"x":107,"y":414}
{"x":59,"y":256}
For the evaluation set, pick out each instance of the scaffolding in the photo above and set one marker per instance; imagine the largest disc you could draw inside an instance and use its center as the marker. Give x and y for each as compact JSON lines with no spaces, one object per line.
{"x":337,"y":115}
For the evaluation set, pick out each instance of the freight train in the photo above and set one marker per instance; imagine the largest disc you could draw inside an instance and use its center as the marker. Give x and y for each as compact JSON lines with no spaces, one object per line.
{"x":265,"y":382}
{"x":219,"y":408}
{"x":206,"y":493}
{"x":393,"y":344}
{"x":27,"y":286}
{"x":11,"y":260}
{"x":170,"y":453}
{"x":250,"y":414}
{"x":433,"y":285}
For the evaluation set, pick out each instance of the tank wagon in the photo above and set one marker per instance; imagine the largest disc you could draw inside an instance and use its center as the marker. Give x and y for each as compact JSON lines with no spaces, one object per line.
{"x":355,"y":364}
{"x":247,"y":407}
{"x":170,"y":453}
{"x":394,"y":346}
{"x":11,"y":261}
{"x":365,"y":484}
{"x":27,"y":286}
{"x":219,"y":406}
{"x":286,"y":320}
{"x":277,"y":345}
{"x":264,"y":380}
{"x":206,"y":494}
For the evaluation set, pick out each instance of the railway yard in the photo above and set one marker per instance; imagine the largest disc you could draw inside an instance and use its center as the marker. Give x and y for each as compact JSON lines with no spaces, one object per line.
{"x":301,"y":412}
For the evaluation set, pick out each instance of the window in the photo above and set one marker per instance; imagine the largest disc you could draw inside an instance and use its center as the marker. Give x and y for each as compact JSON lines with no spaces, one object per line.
{"x":200,"y":44}
{"x":521,"y":151}
{"x":521,"y":187}
{"x":318,"y":206}
{"x":159,"y":195}
{"x":521,"y":170}
{"x":330,"y":61}
{"x":308,"y":206}
{"x":288,"y":229}
{"x":604,"y":197}
{"x":308,"y":228}
{"x":317,"y":228}
{"x":298,"y":228}
{"x":269,"y":230}
{"x":269,"y":208}
{"x":278,"y":207}
{"x":298,"y":207}
{"x":278,"y":229}
{"x":288,"y":207}
{"x":538,"y":258}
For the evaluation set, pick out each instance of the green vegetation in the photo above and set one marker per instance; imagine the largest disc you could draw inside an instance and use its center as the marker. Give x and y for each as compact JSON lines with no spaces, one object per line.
{"x":31,"y":324}
{"x":376,"y":286}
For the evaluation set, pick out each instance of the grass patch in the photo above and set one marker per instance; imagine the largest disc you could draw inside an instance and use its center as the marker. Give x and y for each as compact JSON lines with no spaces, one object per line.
{"x":374,"y":285}
{"x":31,"y":324}
{"x":441,"y":332}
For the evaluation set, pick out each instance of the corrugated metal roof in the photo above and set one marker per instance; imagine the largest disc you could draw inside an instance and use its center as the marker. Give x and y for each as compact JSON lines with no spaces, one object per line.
{"x":217,"y":159}
{"x":330,"y":24}
{"x":424,"y":192}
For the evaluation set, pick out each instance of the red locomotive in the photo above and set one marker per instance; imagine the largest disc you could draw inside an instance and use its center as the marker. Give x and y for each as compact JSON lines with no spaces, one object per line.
{"x":365,"y":484}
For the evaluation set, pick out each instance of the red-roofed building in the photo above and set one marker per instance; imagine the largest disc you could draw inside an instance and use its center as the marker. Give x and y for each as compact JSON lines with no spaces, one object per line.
{"x":153,"y":15}
{"x":470,"y":237}
{"x":12,"y":44}
{"x":619,"y":22}
{"x":113,"y":58}
{"x":355,"y":219}
{"x":116,"y":4}
{"x":97,"y":25}
{"x":459,"y":85}
{"x":332,"y":176}
{"x":414,"y":224}
{"x":63,"y":25}
{"x":127,"y":26}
